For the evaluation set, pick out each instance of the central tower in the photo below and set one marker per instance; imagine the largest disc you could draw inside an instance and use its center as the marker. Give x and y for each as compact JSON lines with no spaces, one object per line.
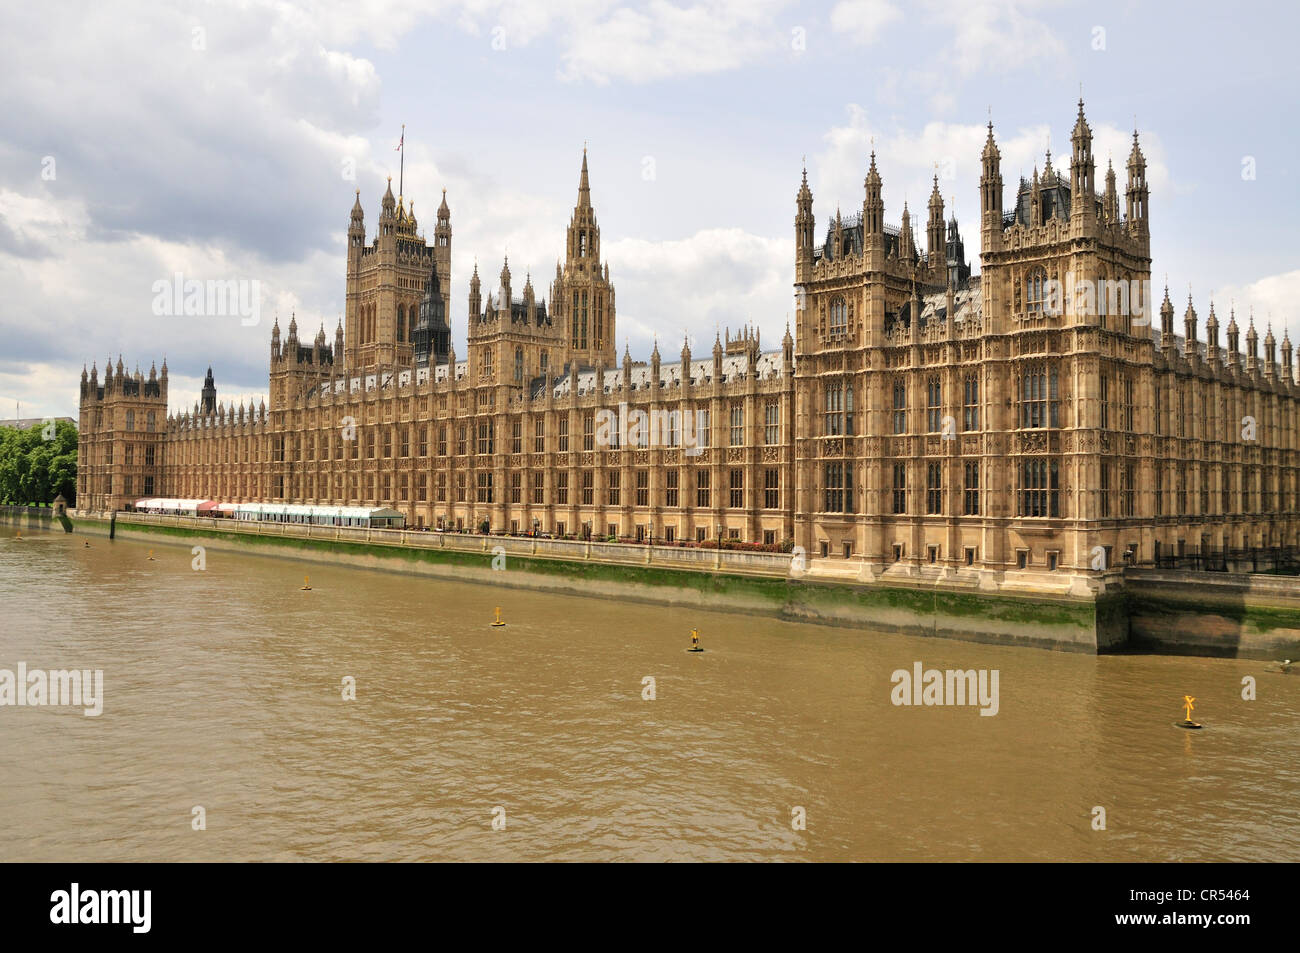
{"x":582,"y":299}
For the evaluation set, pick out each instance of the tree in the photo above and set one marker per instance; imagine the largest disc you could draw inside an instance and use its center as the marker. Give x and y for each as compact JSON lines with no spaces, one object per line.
{"x":34,"y":469}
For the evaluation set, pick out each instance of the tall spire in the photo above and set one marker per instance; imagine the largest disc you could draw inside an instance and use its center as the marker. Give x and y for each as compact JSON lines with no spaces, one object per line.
{"x":584,"y":184}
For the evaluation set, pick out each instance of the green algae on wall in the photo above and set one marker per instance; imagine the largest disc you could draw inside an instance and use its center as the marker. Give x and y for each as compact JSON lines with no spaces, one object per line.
{"x":926,"y":609}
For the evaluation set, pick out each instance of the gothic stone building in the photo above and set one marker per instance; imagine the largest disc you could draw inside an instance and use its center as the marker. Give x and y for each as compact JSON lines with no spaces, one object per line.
{"x":921,"y":420}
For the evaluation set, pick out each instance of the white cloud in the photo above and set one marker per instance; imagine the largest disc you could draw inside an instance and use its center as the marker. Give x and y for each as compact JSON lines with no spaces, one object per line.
{"x":863,"y":21}
{"x":995,"y":35}
{"x":667,"y":41}
{"x":713,"y":279}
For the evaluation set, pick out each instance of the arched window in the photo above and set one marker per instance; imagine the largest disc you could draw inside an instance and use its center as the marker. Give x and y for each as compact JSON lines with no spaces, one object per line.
{"x":839,"y":316}
{"x":401,"y":324}
{"x":1035,"y":291}
{"x":1039,"y":403}
{"x":544,"y":362}
{"x":519,"y":364}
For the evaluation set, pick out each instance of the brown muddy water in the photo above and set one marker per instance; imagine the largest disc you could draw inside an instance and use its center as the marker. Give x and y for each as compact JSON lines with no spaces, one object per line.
{"x":223,"y":689}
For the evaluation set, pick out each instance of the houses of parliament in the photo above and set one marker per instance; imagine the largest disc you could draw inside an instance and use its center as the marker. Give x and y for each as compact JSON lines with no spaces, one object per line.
{"x":917,"y":419}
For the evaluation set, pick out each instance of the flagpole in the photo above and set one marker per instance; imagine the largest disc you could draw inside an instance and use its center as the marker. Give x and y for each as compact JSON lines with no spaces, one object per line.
{"x":401,"y":168}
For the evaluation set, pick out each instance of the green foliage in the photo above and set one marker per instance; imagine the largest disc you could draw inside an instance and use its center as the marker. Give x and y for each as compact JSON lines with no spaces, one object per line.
{"x":36,"y":470}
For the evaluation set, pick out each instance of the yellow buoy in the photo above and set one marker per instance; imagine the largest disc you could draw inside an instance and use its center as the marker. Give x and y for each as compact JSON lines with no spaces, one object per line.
{"x":306,"y":584}
{"x":1188,"y":707}
{"x":86,"y":544}
{"x":695,"y":641}
{"x":18,"y":535}
{"x":498,"y":621}
{"x":151,"y":559}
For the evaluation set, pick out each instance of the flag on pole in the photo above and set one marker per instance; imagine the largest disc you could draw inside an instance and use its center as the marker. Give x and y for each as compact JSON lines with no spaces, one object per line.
{"x":401,"y":141}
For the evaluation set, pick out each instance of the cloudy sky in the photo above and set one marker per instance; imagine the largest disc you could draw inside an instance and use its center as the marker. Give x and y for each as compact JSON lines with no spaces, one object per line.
{"x":223,"y":140}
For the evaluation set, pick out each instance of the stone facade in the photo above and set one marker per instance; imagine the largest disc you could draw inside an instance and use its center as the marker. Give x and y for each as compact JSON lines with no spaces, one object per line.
{"x":919,"y":420}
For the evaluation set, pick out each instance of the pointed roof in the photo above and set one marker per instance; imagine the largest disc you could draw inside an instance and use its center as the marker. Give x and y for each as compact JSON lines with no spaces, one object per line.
{"x":584,"y":184}
{"x":1135,"y":157}
{"x":990,"y":146}
{"x":1081,"y":129}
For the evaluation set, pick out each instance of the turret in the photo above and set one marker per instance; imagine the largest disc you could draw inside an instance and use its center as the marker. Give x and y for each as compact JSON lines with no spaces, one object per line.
{"x":356,"y":228}
{"x":1287,"y":372}
{"x":717,"y":359}
{"x":1234,"y":347}
{"x":686,"y":363}
{"x":503,"y":292}
{"x":1136,"y":193}
{"x":1110,"y":202}
{"x":1082,"y":201}
{"x":873,"y":204}
{"x":906,"y":246}
{"x":1252,"y":346}
{"x":1189,"y":327}
{"x":475,"y":297}
{"x":787,"y":352}
{"x":338,"y":343}
{"x":654,"y":365}
{"x":991,"y":194}
{"x":1270,"y":353}
{"x":805,"y":226}
{"x":1211,"y":334}
{"x":934,"y":231}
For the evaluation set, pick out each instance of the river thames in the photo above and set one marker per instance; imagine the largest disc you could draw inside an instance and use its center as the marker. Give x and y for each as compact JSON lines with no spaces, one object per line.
{"x":223,"y":689}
